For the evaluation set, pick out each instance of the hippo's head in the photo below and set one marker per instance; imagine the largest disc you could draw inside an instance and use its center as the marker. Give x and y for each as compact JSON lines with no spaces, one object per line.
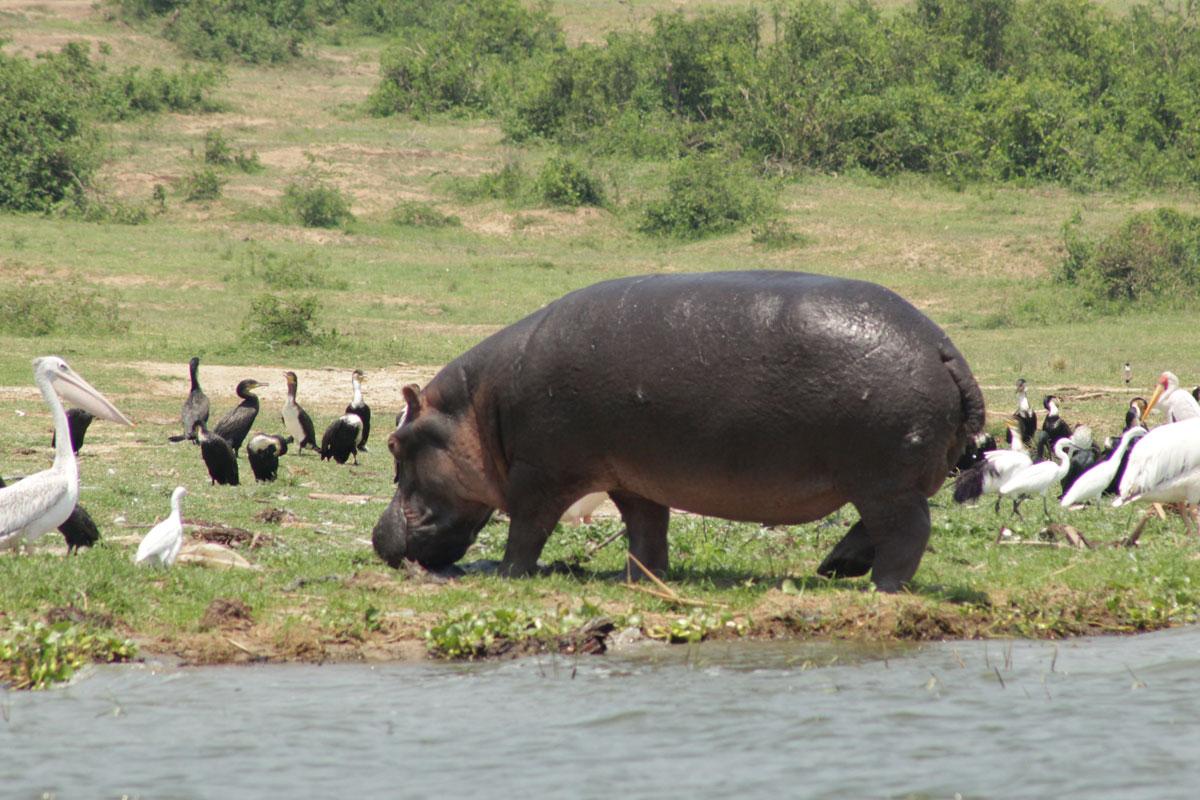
{"x":436,"y":512}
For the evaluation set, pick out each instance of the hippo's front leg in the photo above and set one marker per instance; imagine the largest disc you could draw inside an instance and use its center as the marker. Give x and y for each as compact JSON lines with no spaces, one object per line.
{"x":534,"y":510}
{"x":646,"y":525}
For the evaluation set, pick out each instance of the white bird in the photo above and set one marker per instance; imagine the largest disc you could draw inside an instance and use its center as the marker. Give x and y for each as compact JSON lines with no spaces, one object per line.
{"x":44,"y":500}
{"x":1038,"y":478}
{"x":1176,"y":402}
{"x":1164,"y":467}
{"x":994,"y":470}
{"x":1092,"y":483}
{"x":162,"y":544}
{"x":581,"y":510}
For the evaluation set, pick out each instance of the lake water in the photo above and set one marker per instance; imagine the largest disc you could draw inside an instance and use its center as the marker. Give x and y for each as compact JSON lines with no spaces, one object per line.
{"x":1092,"y":718}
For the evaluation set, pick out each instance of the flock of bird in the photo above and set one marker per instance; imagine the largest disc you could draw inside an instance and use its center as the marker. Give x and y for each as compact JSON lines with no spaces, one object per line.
{"x":49,"y":499}
{"x":345,"y":437}
{"x":1158,"y":465}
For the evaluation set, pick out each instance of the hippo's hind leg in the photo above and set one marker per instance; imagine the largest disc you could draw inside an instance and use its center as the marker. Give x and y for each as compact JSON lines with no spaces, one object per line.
{"x":646,"y":525}
{"x":889,"y":540}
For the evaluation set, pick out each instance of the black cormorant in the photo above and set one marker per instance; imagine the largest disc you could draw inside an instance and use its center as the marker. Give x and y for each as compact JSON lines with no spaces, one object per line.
{"x":77,"y":422}
{"x":1053,"y":428}
{"x":195,"y":407}
{"x":357,"y":406}
{"x":341,"y":439}
{"x":1025,"y":416}
{"x":234,"y":426}
{"x":296,"y":419}
{"x":218,"y":456}
{"x":263,"y":452}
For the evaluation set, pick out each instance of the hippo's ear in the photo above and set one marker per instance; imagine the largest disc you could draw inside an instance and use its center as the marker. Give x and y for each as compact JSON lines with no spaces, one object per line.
{"x":411,"y":397}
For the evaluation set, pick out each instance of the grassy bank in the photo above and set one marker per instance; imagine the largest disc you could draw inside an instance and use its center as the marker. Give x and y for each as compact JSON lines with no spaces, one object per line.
{"x":398,"y":300}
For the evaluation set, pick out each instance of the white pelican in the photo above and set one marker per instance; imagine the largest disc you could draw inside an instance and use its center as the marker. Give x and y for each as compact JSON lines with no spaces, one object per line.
{"x":1092,"y":483}
{"x":162,"y":544}
{"x":1164,"y":467}
{"x":994,"y":470}
{"x":1038,"y":478}
{"x":1178,"y":404}
{"x":44,"y":500}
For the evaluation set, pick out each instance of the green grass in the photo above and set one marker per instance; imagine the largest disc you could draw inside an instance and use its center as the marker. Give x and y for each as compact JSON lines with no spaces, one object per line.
{"x":978,"y":260}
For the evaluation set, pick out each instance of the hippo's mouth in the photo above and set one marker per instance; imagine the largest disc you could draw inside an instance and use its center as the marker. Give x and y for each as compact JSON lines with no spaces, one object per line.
{"x":436,"y":540}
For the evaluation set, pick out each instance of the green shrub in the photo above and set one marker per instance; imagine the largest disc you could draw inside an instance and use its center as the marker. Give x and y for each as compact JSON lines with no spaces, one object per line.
{"x":415,"y":214}
{"x":705,"y":195}
{"x":289,"y":321}
{"x":203,"y":184}
{"x":1154,"y":256}
{"x":563,"y":182}
{"x":219,"y":152}
{"x":317,"y":204}
{"x":33,"y":308}
{"x":774,"y":234}
{"x":47,"y":147}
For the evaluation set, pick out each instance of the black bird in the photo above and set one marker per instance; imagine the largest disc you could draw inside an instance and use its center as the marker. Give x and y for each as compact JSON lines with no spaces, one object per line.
{"x":341,"y":439}
{"x":1133,"y":415}
{"x":234,"y":426}
{"x":1053,"y":428}
{"x":195,"y":407}
{"x":218,"y":456}
{"x":357,"y":406}
{"x":1025,"y":416}
{"x":296,"y":420}
{"x":977,"y":445}
{"x":78,"y":421}
{"x":78,"y":529}
{"x":263,"y":452}
{"x":1084,"y":455}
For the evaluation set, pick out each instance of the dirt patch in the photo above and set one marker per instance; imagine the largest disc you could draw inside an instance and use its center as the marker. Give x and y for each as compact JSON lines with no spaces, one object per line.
{"x":326,"y":389}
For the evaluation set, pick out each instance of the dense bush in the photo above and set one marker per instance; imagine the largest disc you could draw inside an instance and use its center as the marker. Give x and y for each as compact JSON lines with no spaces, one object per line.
{"x":48,"y":111}
{"x":275,"y":320}
{"x":317,"y":204}
{"x":1026,"y":90}
{"x":454,"y":60}
{"x":564,"y":182}
{"x":705,"y":195}
{"x":203,"y":184}
{"x":1154,"y":256}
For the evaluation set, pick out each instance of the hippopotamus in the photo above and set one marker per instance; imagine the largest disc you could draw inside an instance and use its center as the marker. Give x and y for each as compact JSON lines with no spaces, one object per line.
{"x":762,"y":396}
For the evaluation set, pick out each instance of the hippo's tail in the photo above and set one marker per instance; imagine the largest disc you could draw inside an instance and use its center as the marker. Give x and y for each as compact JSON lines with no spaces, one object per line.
{"x":968,"y":389}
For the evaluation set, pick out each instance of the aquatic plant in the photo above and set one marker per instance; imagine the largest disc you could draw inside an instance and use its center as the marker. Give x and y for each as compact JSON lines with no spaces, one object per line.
{"x":39,"y":655}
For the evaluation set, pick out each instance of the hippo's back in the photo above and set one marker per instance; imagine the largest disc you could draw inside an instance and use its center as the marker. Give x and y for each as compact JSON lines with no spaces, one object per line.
{"x":788,"y":381}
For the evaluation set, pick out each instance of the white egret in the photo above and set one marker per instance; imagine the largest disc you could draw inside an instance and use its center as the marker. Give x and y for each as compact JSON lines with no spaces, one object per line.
{"x":1038,"y":478}
{"x":1164,"y":467}
{"x":993,"y":470}
{"x":44,"y":500}
{"x":162,"y":544}
{"x":1092,"y":483}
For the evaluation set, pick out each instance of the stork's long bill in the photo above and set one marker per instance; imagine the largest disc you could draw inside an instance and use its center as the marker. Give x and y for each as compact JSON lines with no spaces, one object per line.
{"x":1154,"y":398}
